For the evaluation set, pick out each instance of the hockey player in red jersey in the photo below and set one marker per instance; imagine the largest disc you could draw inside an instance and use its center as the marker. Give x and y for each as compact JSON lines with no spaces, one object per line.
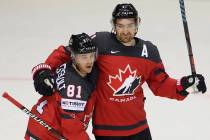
{"x":65,"y":109}
{"x":125,"y":63}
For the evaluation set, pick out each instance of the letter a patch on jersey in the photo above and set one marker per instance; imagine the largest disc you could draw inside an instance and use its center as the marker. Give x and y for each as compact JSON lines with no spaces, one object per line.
{"x":125,"y":82}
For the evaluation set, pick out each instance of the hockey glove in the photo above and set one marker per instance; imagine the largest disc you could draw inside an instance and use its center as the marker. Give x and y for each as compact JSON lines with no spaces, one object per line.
{"x":43,"y":78}
{"x":191,"y":84}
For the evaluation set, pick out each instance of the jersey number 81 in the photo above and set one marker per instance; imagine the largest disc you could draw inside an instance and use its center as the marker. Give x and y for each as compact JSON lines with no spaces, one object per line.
{"x":72,"y":90}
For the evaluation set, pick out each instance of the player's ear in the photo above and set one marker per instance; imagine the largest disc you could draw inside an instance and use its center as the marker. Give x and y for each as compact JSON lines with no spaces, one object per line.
{"x":112,"y":25}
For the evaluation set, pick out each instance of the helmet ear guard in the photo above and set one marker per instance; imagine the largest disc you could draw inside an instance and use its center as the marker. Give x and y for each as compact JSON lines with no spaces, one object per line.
{"x":112,"y":25}
{"x":138,"y":21}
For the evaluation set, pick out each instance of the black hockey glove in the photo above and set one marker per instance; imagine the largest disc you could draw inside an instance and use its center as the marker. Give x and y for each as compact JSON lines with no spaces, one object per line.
{"x":44,"y":82}
{"x":192,"y":84}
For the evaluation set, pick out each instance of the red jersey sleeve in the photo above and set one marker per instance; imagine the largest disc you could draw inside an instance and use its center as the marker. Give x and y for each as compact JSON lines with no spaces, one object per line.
{"x":58,"y":57}
{"x":162,"y":85}
{"x":89,"y":108}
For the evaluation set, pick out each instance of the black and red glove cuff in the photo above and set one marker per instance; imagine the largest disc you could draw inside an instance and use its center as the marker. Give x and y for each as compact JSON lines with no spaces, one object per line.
{"x":40,"y":67}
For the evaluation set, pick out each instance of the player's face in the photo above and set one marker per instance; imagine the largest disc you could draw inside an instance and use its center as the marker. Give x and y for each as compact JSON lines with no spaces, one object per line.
{"x":125,"y":30}
{"x":85,"y":62}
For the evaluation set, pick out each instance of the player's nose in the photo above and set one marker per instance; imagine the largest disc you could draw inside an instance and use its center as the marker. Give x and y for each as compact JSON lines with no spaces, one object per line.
{"x":90,"y":60}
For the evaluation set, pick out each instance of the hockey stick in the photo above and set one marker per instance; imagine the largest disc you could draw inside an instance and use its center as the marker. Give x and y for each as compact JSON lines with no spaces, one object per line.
{"x":187,"y":36}
{"x":33,"y":116}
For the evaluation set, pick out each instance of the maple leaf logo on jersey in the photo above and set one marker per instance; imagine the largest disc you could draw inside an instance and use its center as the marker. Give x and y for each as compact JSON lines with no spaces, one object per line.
{"x":125,"y":82}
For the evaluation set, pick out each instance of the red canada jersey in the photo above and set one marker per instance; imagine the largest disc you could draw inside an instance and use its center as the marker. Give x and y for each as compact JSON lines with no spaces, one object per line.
{"x":119,"y":98}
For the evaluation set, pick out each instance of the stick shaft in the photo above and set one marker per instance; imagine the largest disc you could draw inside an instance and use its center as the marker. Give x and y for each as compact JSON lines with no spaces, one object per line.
{"x":33,"y":116}
{"x":187,"y":36}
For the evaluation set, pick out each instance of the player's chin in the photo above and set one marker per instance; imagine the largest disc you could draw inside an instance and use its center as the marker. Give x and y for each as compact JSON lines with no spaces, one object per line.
{"x":125,"y":39}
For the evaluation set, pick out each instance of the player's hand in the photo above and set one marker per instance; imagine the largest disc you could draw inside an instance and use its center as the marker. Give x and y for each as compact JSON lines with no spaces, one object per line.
{"x":192,"y":84}
{"x":43,"y":77}
{"x":44,"y":82}
{"x":86,"y":120}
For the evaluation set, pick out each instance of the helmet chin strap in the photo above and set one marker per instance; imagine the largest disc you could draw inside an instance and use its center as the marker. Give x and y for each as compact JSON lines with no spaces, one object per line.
{"x":75,"y":66}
